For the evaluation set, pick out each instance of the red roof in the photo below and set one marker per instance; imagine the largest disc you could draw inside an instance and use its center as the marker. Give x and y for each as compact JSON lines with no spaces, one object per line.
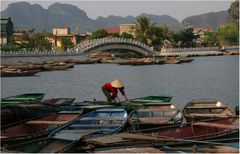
{"x":113,"y":30}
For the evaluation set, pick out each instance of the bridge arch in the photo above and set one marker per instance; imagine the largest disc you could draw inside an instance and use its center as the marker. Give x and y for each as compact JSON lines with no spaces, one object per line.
{"x":91,"y":46}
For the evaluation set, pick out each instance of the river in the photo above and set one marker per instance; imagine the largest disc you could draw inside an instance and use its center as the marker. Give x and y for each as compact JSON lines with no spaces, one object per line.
{"x":205,"y":77}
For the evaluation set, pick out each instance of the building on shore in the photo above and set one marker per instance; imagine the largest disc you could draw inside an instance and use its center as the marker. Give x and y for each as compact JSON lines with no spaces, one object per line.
{"x":60,"y":33}
{"x":6,"y":30}
{"x":20,"y":35}
{"x":128,"y":28}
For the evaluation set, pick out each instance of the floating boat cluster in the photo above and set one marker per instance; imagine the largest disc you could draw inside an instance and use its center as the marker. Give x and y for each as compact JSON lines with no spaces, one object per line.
{"x":15,"y":69}
{"x":31,"y":124}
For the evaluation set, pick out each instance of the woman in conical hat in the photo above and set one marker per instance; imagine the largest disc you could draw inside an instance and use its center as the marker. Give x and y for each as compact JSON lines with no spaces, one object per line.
{"x":110,"y":90}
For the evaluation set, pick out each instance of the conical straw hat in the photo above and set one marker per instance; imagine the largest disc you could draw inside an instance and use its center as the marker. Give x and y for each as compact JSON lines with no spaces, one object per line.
{"x":117,"y":84}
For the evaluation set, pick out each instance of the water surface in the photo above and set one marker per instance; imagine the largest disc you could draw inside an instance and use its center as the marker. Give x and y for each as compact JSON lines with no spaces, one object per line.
{"x":206,"y":77}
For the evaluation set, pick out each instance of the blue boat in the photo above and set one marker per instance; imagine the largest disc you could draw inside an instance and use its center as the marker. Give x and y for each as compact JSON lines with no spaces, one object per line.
{"x":97,"y":123}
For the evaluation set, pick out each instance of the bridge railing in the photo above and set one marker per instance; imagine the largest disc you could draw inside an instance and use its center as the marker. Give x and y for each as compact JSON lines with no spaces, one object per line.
{"x":86,"y":45}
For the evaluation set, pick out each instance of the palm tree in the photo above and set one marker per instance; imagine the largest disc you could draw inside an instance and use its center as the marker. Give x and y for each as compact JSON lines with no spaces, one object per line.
{"x":143,"y":28}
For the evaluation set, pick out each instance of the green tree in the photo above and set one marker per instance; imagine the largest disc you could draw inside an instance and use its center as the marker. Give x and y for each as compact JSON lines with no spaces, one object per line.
{"x":66,"y":44}
{"x":99,"y":34}
{"x":184,"y":38}
{"x":233,"y":12}
{"x":158,"y":34}
{"x":113,"y":34}
{"x":210,"y":39}
{"x":39,"y":42}
{"x":126,"y":35}
{"x":143,"y":28}
{"x":229,"y":34}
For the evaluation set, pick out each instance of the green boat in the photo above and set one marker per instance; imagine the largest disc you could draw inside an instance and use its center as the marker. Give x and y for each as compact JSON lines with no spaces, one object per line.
{"x":22,"y":98}
{"x":152,"y":99}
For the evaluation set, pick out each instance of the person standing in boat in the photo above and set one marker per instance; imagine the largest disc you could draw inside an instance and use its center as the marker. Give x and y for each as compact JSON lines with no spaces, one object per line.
{"x":110,"y":90}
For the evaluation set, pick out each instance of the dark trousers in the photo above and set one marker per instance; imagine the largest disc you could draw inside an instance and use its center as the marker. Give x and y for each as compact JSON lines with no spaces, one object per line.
{"x":107,"y":94}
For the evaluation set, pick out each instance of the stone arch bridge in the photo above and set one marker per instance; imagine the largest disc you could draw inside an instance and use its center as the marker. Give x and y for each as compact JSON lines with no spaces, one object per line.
{"x":91,"y":46}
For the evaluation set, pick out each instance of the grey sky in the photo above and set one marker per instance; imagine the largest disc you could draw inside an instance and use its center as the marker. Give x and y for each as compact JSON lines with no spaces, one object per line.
{"x":177,"y":9}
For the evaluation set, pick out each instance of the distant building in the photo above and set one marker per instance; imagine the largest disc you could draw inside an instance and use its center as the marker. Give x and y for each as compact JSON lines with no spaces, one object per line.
{"x":6,"y":30}
{"x":201,"y":31}
{"x":60,"y":33}
{"x":20,"y":34}
{"x":128,"y":28}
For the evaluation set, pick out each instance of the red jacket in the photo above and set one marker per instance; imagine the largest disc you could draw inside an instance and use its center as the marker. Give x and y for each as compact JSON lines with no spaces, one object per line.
{"x":113,"y":90}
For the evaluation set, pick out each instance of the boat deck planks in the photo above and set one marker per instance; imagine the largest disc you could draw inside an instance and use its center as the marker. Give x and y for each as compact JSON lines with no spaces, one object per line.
{"x":207,"y":115}
{"x":133,"y":150}
{"x":46,"y":122}
{"x":154,"y":120}
{"x":206,"y":106}
{"x":81,"y":131}
{"x":95,"y":125}
{"x":209,"y":149}
{"x":108,"y":140}
{"x":214,"y":125}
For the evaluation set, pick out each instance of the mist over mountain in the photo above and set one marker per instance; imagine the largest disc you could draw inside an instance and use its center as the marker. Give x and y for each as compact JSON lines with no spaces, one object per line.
{"x":24,"y":14}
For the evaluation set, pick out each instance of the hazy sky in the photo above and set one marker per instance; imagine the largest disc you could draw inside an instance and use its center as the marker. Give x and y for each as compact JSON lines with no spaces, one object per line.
{"x":177,"y":9}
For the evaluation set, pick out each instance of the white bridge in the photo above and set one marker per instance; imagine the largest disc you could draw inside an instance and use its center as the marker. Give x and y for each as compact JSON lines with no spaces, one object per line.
{"x":103,"y":44}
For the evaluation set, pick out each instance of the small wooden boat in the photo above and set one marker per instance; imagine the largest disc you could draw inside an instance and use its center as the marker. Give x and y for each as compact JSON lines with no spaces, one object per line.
{"x":206,"y":130}
{"x":7,"y":116}
{"x":60,"y":67}
{"x":159,"y":61}
{"x":75,"y":61}
{"x":36,"y":127}
{"x":42,"y":107}
{"x":16,"y":73}
{"x":185,"y":60}
{"x":199,"y":133}
{"x":206,"y":109}
{"x":25,"y":97}
{"x":152,"y":115}
{"x":172,"y":61}
{"x":152,"y":99}
{"x":20,"y":99}
{"x":96,"y":123}
{"x":137,"y":61}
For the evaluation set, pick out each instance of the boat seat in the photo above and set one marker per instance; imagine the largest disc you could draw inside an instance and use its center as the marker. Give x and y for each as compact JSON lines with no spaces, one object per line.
{"x":208,"y":115}
{"x":72,"y":135}
{"x":204,"y":107}
{"x":206,"y":124}
{"x":81,"y":131}
{"x":104,"y":118}
{"x":146,"y":100}
{"x":68,"y":136}
{"x":46,"y":122}
{"x":96,"y":125}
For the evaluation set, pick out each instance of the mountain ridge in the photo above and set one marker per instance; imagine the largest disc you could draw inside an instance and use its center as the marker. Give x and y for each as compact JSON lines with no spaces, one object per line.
{"x":24,"y":14}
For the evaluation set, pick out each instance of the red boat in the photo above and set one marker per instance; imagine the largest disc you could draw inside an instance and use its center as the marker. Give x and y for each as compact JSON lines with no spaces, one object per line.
{"x":214,"y":129}
{"x":35,"y":127}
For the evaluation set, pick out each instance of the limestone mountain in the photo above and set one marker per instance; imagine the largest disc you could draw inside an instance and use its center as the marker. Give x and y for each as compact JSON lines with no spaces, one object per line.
{"x":213,"y":20}
{"x":24,"y":14}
